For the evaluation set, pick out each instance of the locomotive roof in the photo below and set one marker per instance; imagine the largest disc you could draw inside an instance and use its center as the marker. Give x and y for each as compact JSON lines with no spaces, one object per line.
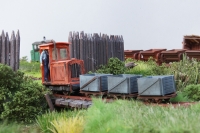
{"x":190,"y":39}
{"x":51,"y":43}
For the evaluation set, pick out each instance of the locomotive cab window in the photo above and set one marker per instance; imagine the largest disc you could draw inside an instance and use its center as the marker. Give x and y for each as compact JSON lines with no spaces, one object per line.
{"x":53,"y":53}
{"x":36,"y":48}
{"x":63,"y":53}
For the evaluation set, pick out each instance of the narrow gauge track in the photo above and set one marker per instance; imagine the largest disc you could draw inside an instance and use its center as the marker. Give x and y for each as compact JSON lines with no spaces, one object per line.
{"x":84,"y":100}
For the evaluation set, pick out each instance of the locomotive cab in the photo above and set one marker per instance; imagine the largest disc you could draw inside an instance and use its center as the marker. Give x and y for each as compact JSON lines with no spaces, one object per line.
{"x":63,"y":71}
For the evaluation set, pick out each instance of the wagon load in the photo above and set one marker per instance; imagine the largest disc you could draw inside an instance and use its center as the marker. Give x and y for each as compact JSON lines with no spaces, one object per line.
{"x":123,"y":83}
{"x":156,"y":85}
{"x":94,"y":82}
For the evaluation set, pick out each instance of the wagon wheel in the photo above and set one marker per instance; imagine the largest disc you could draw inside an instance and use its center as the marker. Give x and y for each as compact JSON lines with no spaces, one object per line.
{"x":167,"y":100}
{"x":157,"y":100}
{"x":66,"y":93}
{"x":148,"y":100}
{"x":115,"y":97}
{"x":88,"y":95}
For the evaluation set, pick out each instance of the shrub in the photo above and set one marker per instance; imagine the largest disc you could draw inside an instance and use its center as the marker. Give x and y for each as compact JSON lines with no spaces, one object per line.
{"x":180,"y":98}
{"x":114,"y":66}
{"x":147,"y":68}
{"x":21,"y":99}
{"x":192,"y":92}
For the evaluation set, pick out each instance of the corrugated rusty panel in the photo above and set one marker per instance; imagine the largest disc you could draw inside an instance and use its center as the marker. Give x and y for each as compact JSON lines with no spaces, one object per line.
{"x":172,"y":55}
{"x":154,"y":53}
{"x":191,"y":42}
{"x":193,"y":54}
{"x":132,"y":54}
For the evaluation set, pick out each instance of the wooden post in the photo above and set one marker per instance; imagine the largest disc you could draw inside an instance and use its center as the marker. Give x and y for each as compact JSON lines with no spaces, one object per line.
{"x":3,"y":48}
{"x":12,"y":51}
{"x":49,"y":102}
{"x":17,"y":51}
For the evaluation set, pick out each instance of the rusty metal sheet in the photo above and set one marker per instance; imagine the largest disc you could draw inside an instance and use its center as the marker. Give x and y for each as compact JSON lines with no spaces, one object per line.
{"x":193,"y":54}
{"x":155,"y":53}
{"x":172,"y":55}
{"x":132,"y":54}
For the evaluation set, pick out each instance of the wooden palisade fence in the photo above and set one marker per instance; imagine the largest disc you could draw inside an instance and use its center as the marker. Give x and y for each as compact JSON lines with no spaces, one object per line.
{"x":10,"y":49}
{"x":95,"y":50}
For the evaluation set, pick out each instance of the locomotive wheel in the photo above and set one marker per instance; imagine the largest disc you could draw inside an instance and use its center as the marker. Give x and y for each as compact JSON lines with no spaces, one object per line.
{"x":66,"y":93}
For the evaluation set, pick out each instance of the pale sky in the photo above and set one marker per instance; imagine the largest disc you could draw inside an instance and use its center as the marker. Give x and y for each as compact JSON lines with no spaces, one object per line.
{"x":144,"y":24}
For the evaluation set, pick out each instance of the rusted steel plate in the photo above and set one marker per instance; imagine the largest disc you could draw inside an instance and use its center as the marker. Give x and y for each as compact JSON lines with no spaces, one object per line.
{"x":154,"y":53}
{"x":172,"y":55}
{"x":193,"y":54}
{"x":191,"y":42}
{"x":132,"y":54}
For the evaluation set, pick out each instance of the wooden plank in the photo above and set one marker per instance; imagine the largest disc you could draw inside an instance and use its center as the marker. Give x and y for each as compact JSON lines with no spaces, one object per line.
{"x":3,"y":54}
